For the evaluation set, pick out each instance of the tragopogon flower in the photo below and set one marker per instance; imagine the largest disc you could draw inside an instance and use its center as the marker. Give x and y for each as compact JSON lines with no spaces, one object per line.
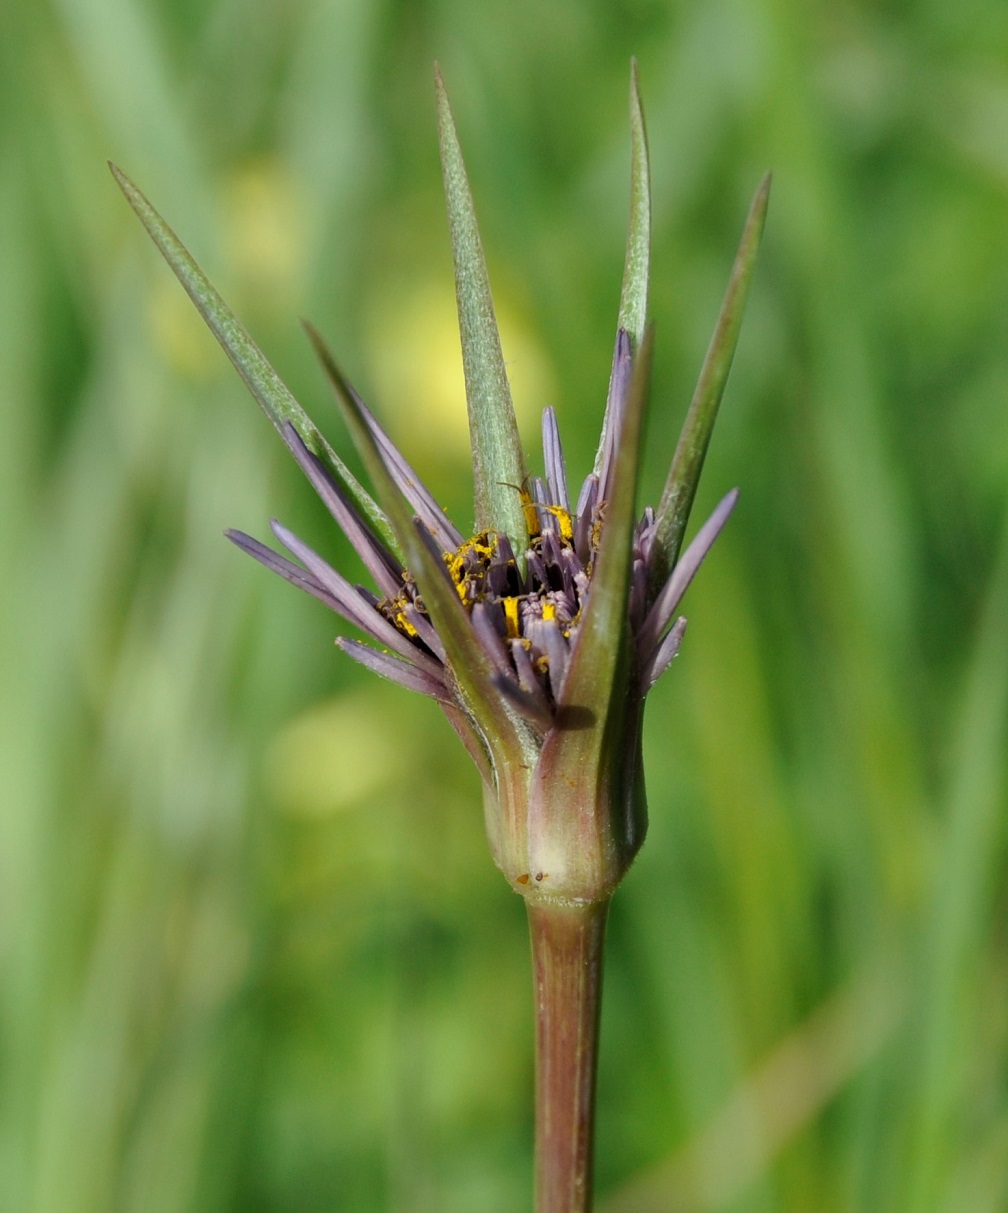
{"x":540,"y":634}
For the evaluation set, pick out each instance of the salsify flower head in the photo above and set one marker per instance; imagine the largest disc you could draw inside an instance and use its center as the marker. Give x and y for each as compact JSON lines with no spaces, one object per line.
{"x":540,"y":634}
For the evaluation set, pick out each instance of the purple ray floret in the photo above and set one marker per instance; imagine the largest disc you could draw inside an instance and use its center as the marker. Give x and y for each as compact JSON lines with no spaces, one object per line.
{"x":679,"y":579}
{"x":556,"y":471}
{"x":377,"y":559}
{"x":662,"y":657}
{"x":395,"y":669}
{"x":409,"y":483}
{"x":283,"y":567}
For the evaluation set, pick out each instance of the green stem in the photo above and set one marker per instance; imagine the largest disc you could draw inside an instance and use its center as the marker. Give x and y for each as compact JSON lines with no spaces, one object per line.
{"x":567,"y":968}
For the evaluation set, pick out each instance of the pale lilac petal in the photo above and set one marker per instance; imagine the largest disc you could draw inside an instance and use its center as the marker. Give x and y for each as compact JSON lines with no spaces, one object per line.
{"x":527,"y":679}
{"x":490,"y":639}
{"x":425,"y":630}
{"x":670,"y":596}
{"x":533,"y":707}
{"x":588,"y":495}
{"x":638,"y":591}
{"x":351,"y":603}
{"x":283,"y":567}
{"x":612,"y":424}
{"x":584,"y":518}
{"x":547,"y":638}
{"x":659,"y":662}
{"x":395,"y":669}
{"x":377,"y":559}
{"x":553,"y":460}
{"x":409,"y":483}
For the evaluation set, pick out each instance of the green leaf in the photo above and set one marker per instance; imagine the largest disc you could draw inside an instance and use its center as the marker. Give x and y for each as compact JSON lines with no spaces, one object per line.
{"x":636,"y":266}
{"x":687,"y":463}
{"x":498,"y":460}
{"x":469,"y":665}
{"x":259,"y":376}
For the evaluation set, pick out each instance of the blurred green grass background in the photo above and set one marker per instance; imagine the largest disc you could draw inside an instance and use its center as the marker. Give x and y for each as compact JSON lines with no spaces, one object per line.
{"x":254,"y":954}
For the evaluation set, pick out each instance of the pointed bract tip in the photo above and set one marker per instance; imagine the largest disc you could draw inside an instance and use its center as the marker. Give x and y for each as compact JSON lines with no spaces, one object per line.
{"x":322,"y":352}
{"x":124,"y":183}
{"x":441,"y":97}
{"x":761,"y":200}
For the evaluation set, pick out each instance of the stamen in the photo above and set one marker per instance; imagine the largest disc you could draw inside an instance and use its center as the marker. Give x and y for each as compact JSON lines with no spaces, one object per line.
{"x":511,"y":617}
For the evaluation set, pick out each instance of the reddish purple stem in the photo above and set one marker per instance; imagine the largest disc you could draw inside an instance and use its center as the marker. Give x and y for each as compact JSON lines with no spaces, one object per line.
{"x":567,"y":971}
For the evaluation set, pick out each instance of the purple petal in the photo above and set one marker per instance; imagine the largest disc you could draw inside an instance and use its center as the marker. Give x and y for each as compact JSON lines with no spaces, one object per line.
{"x":553,"y":460}
{"x":533,"y":707}
{"x":547,"y":638}
{"x":638,"y":591}
{"x":527,"y":679}
{"x":490,"y":639}
{"x":283,"y":567}
{"x":351,"y":603}
{"x":668,"y":599}
{"x":395,"y":669}
{"x":584,"y":518}
{"x":377,"y":559}
{"x":409,"y":483}
{"x":668,"y":648}
{"x":612,"y":423}
{"x":426,"y":631}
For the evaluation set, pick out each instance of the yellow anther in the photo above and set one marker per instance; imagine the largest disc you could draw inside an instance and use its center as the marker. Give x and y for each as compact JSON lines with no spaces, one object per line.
{"x":403,"y":624}
{"x":481,"y":546}
{"x":549,"y":610}
{"x":511,"y":617}
{"x":596,"y":531}
{"x":531,"y":514}
{"x":564,"y":521}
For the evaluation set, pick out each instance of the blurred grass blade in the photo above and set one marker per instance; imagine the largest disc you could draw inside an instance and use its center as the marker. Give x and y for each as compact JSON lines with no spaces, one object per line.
{"x":965,"y":903}
{"x":636,"y":266}
{"x":687,"y":463}
{"x":498,"y":460}
{"x":261,"y":379}
{"x":469,"y":664}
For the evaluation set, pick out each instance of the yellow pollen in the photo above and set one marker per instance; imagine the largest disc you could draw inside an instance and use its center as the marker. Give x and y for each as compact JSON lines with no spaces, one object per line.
{"x":549,"y":610}
{"x":482,"y":546}
{"x":564,"y":521}
{"x":531,"y":514}
{"x":403,"y":624}
{"x":511,"y":617}
{"x":596,"y":531}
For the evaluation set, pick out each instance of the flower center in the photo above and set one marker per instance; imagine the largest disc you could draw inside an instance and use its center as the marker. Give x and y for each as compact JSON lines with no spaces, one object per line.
{"x":529,"y":618}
